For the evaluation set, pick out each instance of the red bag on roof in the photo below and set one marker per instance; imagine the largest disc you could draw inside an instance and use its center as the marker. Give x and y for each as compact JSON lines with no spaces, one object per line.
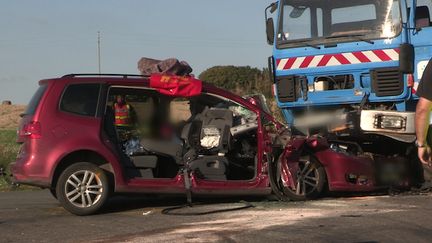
{"x":183,"y":86}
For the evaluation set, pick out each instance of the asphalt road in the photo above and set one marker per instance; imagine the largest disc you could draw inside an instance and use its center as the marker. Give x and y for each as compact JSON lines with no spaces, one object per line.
{"x":34,"y":216}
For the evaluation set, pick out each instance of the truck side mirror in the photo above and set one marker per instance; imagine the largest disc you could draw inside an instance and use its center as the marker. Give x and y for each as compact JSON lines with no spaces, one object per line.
{"x":273,"y":7}
{"x":406,"y":58}
{"x":270,"y":31}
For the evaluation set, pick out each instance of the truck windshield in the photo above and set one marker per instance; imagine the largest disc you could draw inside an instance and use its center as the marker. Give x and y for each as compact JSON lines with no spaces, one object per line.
{"x":308,"y":22}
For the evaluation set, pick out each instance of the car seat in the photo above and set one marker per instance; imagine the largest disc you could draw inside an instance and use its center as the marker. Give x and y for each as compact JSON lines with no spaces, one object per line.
{"x":209,"y":132}
{"x":173,"y":149}
{"x":209,"y":162}
{"x":208,"y":135}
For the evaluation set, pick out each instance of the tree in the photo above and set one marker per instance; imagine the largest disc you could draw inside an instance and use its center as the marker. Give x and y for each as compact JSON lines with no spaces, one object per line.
{"x":231,"y":77}
{"x":243,"y":80}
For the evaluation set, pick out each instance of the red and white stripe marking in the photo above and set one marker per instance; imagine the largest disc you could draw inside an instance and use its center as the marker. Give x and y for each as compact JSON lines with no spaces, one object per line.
{"x":329,"y":60}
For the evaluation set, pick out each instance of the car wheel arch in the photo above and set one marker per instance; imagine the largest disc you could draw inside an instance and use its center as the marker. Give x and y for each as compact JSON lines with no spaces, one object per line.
{"x":82,"y":156}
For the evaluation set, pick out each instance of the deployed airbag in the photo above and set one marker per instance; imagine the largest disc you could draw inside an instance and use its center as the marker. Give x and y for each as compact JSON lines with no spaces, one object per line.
{"x":211,"y":137}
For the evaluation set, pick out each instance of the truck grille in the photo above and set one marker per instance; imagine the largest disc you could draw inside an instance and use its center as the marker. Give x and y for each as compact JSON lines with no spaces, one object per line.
{"x":287,"y":89}
{"x":387,"y":82}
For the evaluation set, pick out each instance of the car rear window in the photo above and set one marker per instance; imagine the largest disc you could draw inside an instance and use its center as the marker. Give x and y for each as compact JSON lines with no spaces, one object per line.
{"x":81,"y":99}
{"x":34,"y":102}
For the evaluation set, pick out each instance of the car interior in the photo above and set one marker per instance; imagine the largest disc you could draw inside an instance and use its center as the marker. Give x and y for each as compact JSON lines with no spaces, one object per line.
{"x":214,"y":137}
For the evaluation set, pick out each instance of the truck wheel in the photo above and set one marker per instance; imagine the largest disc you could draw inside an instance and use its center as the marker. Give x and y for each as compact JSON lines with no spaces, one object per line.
{"x":308,"y":182}
{"x":83,"y":188}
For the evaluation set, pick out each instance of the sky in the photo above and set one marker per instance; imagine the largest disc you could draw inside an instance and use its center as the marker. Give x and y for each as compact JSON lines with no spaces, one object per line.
{"x":50,"y":38}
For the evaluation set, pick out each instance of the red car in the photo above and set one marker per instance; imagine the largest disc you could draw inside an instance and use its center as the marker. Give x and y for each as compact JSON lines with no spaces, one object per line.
{"x":183,"y":136}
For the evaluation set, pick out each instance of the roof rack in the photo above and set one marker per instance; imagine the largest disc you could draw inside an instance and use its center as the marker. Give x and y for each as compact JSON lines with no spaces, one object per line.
{"x":72,"y":75}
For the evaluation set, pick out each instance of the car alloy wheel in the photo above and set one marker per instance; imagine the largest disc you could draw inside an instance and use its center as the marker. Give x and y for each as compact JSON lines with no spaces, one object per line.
{"x":307,"y":178}
{"x":301,"y":180}
{"x":83,"y":188}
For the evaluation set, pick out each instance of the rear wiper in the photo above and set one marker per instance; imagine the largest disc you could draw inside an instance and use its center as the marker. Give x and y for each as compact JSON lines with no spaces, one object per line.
{"x":357,"y":37}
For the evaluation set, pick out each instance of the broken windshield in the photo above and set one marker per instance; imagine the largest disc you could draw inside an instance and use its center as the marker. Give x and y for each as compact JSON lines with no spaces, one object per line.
{"x":313,"y":22}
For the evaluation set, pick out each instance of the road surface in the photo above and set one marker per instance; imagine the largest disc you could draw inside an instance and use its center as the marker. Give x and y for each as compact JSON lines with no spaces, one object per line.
{"x":35,"y":216}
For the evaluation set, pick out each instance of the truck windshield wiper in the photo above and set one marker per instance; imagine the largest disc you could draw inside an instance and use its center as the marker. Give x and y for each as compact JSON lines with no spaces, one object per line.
{"x":285,"y":40}
{"x":357,"y":37}
{"x":311,"y":45}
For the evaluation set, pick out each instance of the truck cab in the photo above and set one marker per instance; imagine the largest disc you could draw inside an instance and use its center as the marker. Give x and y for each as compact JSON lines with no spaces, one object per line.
{"x":348,"y":71}
{"x":344,"y":56}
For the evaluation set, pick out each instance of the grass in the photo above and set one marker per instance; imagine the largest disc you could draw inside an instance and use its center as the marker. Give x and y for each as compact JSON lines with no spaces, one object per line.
{"x":8,"y":151}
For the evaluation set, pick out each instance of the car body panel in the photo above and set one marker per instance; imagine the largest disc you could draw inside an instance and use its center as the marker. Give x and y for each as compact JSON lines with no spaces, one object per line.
{"x":64,"y":134}
{"x":337,"y":165}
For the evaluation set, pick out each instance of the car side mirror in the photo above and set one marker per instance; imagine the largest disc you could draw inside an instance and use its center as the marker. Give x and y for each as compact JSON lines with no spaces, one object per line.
{"x":270,"y":31}
{"x":406,"y":58}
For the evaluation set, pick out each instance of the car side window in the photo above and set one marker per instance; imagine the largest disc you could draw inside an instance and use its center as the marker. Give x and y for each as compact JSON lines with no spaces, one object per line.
{"x":80,"y":99}
{"x":146,"y":110}
{"x":241,"y":114}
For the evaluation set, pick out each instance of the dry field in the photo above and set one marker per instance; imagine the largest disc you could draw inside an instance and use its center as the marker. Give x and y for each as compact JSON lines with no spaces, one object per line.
{"x":9,"y":116}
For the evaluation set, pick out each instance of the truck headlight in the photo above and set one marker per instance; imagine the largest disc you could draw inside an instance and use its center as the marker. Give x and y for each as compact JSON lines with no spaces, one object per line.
{"x":390,"y":122}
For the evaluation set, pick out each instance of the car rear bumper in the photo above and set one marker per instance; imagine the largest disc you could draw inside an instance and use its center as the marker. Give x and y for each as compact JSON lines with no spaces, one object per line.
{"x":21,"y":175}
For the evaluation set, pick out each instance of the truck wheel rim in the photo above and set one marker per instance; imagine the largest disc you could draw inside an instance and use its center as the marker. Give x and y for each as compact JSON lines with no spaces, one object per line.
{"x":83,"y":189}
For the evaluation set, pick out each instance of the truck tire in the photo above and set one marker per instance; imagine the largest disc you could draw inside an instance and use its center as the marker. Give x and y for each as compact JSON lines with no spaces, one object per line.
{"x":310,"y":183}
{"x":83,"y":188}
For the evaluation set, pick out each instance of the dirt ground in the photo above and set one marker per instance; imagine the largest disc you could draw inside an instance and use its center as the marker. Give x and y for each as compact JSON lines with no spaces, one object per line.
{"x":9,"y":116}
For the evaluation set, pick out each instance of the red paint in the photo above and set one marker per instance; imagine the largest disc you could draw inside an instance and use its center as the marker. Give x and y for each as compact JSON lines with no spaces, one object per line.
{"x":342,"y":59}
{"x":307,"y":61}
{"x":290,"y":63}
{"x":336,"y":165}
{"x":60,"y":134}
{"x":360,"y":56}
{"x":382,"y":55}
{"x":324,"y":60}
{"x":171,"y":85}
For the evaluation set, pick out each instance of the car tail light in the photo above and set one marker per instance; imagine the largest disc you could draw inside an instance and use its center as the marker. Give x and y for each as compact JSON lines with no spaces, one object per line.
{"x":31,"y":130}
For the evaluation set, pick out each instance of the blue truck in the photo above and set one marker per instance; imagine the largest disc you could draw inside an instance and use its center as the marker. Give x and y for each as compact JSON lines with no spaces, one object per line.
{"x":348,"y":70}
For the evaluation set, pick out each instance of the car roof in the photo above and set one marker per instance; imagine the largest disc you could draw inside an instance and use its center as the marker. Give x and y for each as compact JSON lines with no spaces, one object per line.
{"x":141,"y":80}
{"x":120,"y":79}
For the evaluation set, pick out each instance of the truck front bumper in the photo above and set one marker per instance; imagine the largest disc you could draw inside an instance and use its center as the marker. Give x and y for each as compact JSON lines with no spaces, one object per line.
{"x":388,"y":121}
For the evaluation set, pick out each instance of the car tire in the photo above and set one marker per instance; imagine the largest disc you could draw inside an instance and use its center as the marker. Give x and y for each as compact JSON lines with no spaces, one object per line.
{"x":277,"y":191}
{"x":83,"y":188}
{"x":53,"y":192}
{"x":310,"y":184}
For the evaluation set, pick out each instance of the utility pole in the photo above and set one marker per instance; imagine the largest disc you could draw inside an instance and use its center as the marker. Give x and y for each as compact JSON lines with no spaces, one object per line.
{"x":99,"y":51}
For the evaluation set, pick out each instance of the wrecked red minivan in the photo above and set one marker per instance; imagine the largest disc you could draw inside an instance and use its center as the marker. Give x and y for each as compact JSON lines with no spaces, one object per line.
{"x":85,"y":136}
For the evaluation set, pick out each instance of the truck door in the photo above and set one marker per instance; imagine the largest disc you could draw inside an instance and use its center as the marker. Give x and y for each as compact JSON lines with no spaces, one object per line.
{"x":421,"y":36}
